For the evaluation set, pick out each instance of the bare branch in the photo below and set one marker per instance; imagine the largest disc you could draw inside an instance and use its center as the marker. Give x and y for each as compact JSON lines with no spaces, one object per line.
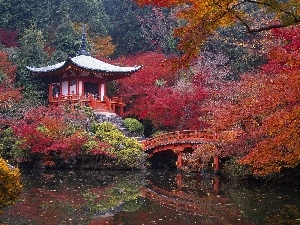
{"x":293,"y":15}
{"x":243,"y":22}
{"x":264,"y":28}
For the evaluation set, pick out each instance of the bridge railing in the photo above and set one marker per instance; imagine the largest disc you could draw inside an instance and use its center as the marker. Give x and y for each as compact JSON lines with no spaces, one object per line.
{"x":179,"y":137}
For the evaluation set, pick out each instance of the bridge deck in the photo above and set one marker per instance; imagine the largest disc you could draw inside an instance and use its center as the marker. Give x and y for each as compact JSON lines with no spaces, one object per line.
{"x":179,"y":137}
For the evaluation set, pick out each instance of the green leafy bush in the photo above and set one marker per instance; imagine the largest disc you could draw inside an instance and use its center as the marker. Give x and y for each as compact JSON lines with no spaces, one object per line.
{"x":10,"y":146}
{"x":134,"y":126}
{"x":128,"y":151}
{"x":10,"y":185}
{"x":7,"y":140}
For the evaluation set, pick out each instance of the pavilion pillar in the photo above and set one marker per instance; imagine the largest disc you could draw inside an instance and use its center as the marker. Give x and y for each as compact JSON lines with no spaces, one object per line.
{"x":104,"y":88}
{"x":121,"y":110}
{"x":100,"y":92}
{"x":60,"y":87}
{"x":77,"y":86}
{"x":113,"y":106}
{"x":49,"y":92}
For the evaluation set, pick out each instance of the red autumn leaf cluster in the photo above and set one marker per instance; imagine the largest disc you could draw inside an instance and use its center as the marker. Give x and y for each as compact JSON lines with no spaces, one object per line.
{"x":9,"y":94}
{"x":53,"y":131}
{"x":260,"y":114}
{"x":8,"y":38}
{"x":158,"y":94}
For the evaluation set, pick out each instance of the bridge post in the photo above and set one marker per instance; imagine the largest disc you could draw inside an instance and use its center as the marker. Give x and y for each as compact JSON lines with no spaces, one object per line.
{"x":179,"y":161}
{"x":179,"y":180}
{"x":216,"y":164}
{"x":178,"y":152}
{"x":216,"y":184}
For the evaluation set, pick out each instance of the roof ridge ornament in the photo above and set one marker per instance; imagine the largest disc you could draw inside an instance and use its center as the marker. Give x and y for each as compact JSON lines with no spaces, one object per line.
{"x":82,"y":50}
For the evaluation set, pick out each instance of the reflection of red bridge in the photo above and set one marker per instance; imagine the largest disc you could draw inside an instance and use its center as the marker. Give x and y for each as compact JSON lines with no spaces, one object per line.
{"x":178,"y":199}
{"x":211,"y":205}
{"x":169,"y":202}
{"x":178,"y":142}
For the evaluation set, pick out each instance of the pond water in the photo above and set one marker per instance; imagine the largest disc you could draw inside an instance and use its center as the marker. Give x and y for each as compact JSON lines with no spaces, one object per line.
{"x":157,"y":197}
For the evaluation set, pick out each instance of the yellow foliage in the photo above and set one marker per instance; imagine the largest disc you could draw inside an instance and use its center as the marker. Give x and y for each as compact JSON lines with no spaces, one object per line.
{"x":10,"y":184}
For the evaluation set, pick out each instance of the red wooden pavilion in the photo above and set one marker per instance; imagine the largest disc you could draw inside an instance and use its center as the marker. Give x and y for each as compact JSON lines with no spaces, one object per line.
{"x":82,"y":79}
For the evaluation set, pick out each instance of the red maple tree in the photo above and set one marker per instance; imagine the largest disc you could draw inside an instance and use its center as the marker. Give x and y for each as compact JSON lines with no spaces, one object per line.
{"x":260,"y":114}
{"x":167,"y":98}
{"x":8,"y":38}
{"x":52,"y":133}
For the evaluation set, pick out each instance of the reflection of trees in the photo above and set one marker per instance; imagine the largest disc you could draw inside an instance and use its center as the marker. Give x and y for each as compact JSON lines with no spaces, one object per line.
{"x":262,"y":203}
{"x":288,"y":215}
{"x":95,"y":197}
{"x":60,"y":197}
{"x":123,"y":194}
{"x":193,"y":196}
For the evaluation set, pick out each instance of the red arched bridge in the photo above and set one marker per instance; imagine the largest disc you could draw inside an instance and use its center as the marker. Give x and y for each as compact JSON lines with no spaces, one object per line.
{"x":178,"y":142}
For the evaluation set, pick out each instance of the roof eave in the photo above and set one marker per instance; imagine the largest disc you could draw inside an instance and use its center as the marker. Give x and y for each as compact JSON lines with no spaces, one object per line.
{"x":69,"y":63}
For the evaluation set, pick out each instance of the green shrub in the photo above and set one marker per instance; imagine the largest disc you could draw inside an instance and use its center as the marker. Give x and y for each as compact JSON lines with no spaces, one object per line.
{"x":10,"y":185}
{"x":158,"y":133}
{"x":9,"y":147}
{"x":128,"y":151}
{"x":7,"y":140}
{"x":134,"y":126}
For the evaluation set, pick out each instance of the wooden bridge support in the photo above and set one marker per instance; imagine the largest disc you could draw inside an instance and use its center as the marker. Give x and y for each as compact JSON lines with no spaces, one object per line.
{"x":216,"y":164}
{"x":179,"y":180}
{"x":216,"y":183}
{"x":178,"y":152}
{"x":179,"y":161}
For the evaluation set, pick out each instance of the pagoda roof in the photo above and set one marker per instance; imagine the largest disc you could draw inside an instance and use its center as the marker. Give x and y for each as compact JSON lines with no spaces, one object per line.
{"x":84,"y":62}
{"x":87,"y":63}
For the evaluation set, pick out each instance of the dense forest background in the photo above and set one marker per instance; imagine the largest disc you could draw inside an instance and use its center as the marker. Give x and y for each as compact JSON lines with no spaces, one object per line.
{"x":38,"y":33}
{"x":203,"y":67}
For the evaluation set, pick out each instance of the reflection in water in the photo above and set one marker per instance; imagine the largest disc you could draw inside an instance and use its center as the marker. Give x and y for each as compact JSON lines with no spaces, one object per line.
{"x":154,"y":197}
{"x":266,"y":204}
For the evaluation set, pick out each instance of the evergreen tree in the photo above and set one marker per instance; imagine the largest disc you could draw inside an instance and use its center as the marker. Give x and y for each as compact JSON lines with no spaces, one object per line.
{"x":126,"y":28}
{"x":20,"y":14}
{"x":31,"y":53}
{"x":90,"y":12}
{"x":157,"y":28}
{"x":66,"y":41}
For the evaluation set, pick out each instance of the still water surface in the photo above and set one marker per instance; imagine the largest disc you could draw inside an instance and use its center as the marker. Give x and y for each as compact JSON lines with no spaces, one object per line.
{"x":156,"y":197}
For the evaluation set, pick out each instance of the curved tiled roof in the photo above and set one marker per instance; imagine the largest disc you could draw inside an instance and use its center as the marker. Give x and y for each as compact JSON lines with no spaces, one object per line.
{"x":91,"y":63}
{"x":46,"y":68}
{"x":85,"y":62}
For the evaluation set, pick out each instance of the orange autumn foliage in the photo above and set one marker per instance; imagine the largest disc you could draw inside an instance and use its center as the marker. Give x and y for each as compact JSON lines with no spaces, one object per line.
{"x":263,"y":109}
{"x":201,"y":18}
{"x":103,"y":46}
